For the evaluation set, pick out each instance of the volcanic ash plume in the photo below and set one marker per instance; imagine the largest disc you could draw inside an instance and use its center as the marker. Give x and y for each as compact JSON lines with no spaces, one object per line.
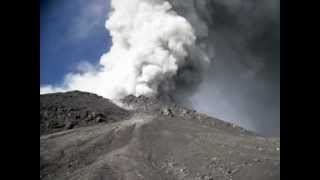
{"x":153,"y":53}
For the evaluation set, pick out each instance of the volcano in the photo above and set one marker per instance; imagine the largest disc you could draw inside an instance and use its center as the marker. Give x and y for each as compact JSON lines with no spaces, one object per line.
{"x":85,"y":136}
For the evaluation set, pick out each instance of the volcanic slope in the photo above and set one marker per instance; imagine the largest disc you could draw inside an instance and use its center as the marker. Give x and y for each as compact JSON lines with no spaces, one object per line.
{"x":147,"y":140}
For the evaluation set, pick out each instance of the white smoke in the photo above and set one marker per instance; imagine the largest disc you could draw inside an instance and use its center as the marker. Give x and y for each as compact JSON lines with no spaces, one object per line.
{"x":153,"y":49}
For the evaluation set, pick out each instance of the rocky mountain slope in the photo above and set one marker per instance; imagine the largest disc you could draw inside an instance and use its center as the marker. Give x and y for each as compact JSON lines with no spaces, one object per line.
{"x":61,"y":111}
{"x":147,"y":139}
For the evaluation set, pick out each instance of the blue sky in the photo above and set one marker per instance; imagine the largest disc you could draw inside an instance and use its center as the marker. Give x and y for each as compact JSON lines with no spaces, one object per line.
{"x":71,"y":32}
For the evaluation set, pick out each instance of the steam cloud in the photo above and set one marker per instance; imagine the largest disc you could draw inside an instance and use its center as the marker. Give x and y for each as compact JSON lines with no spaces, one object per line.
{"x":154,"y":52}
{"x":218,"y":56}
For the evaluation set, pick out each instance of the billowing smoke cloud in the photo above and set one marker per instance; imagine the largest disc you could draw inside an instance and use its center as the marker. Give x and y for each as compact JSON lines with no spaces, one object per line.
{"x":165,"y":46}
{"x":242,"y":84}
{"x":154,"y":52}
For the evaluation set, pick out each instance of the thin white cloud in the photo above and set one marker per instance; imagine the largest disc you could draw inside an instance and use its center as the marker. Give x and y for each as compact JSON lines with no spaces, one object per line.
{"x":92,"y":16}
{"x":85,"y":66}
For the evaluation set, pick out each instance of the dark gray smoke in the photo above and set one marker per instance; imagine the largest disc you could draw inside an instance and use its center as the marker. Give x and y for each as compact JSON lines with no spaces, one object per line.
{"x":242,"y":84}
{"x":218,"y":56}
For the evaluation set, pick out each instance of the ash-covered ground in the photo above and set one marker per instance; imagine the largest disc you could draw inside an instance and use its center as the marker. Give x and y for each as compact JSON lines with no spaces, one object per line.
{"x":85,"y":136}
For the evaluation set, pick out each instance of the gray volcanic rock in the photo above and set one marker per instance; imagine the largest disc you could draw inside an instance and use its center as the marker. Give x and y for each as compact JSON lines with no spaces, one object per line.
{"x":158,"y":141}
{"x":61,"y":111}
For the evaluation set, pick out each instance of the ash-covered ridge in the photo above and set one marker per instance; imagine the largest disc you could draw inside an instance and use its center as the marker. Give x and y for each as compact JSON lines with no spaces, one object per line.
{"x":148,"y":138}
{"x":63,"y":111}
{"x":165,"y":106}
